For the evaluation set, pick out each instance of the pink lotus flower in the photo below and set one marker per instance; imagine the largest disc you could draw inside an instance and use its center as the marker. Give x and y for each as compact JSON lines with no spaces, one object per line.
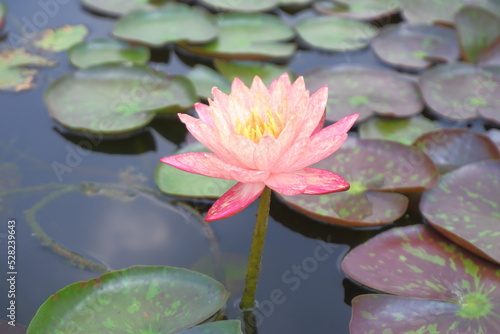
{"x":264,"y":137}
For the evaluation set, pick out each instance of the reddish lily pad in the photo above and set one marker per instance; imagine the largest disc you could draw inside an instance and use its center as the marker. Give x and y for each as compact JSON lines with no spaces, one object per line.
{"x":173,"y":22}
{"x":477,"y":29}
{"x":135,"y":300}
{"x":334,"y":33}
{"x":450,"y":290}
{"x":248,"y":36}
{"x":461,"y":91}
{"x":465,"y":207}
{"x":121,"y":7}
{"x":358,"y":9}
{"x":494,"y":135}
{"x":61,"y":39}
{"x":5,"y":328}
{"x":248,"y":6}
{"x":3,"y":14}
{"x":204,"y":79}
{"x":453,"y":148}
{"x":365,"y":90}
{"x":374,"y":169}
{"x":416,"y":46}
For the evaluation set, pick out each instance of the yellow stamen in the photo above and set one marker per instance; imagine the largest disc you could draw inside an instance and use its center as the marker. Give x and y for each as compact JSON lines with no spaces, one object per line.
{"x":255,"y":127}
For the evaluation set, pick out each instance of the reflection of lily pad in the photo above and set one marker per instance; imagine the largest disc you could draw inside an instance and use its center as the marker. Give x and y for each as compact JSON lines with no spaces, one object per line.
{"x":115,"y":99}
{"x":136,"y":300}
{"x":218,"y":327}
{"x":246,"y":70}
{"x":416,"y":46}
{"x":358,"y":9}
{"x":122,"y":7}
{"x":170,"y":23}
{"x":107,"y":50}
{"x":445,"y":288}
{"x":453,"y":148}
{"x":335,"y":34}
{"x":241,"y":6}
{"x":248,"y":36}
{"x":461,"y":91}
{"x":173,"y":181}
{"x":465,"y":207}
{"x":61,"y":39}
{"x":3,"y":14}
{"x":204,"y":79}
{"x":370,"y":166}
{"x":365,"y":90}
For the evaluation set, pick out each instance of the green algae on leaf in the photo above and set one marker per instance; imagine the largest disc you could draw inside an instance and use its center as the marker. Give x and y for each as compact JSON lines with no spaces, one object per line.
{"x":61,"y":39}
{"x":248,"y":6}
{"x":122,"y":7}
{"x":246,"y":70}
{"x":465,"y":207}
{"x":358,"y":9}
{"x":141,"y":299}
{"x":205,"y":78}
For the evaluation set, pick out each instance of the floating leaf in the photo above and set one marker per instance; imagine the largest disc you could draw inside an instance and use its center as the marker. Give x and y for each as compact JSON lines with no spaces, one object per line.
{"x":173,"y":181}
{"x":494,"y":135}
{"x":61,"y":39}
{"x":335,"y":34}
{"x":403,"y":131}
{"x":106,"y":50}
{"x":173,"y":22}
{"x":204,"y":79}
{"x":122,"y":7}
{"x":241,"y":6}
{"x":416,"y":46}
{"x":3,"y":14}
{"x":491,"y":55}
{"x":248,"y":36}
{"x":450,"y":289}
{"x":218,"y":327}
{"x":370,"y":166}
{"x":246,"y":70}
{"x":453,"y":148}
{"x":365,"y":90}
{"x":461,"y":91}
{"x":358,"y":9}
{"x":465,"y":207}
{"x":114,"y":99}
{"x":140,"y":299}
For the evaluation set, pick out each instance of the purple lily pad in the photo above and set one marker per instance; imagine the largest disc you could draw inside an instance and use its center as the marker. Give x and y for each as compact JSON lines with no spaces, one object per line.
{"x":462,"y":91}
{"x":448,"y":287}
{"x":375,"y":170}
{"x":358,"y":9}
{"x":416,"y":46}
{"x":365,"y":90}
{"x":465,"y":206}
{"x":453,"y":148}
{"x":491,"y":55}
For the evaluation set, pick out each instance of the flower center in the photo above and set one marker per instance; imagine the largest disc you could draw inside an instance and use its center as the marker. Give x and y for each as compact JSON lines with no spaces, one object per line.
{"x":254,"y":127}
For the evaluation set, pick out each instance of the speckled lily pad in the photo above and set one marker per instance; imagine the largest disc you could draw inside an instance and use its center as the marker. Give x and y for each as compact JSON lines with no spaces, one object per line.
{"x":375,"y":169}
{"x":241,"y":6}
{"x":61,"y":39}
{"x":139,"y":298}
{"x":121,"y":7}
{"x":453,"y":148}
{"x":461,"y":91}
{"x":465,"y":207}
{"x":358,"y":9}
{"x":444,"y":288}
{"x":416,"y":46}
{"x":335,"y":34}
{"x":246,"y":70}
{"x":365,"y":90}
{"x":205,"y":78}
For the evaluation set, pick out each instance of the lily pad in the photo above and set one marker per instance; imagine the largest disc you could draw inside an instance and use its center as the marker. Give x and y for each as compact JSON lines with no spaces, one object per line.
{"x":115,"y":99}
{"x":241,"y":6}
{"x":465,"y":207}
{"x":122,"y":7}
{"x":3,"y":14}
{"x":5,"y":328}
{"x":462,"y":91}
{"x":248,"y":36}
{"x":173,"y":181}
{"x":218,"y":327}
{"x":294,"y":3}
{"x":173,"y":22}
{"x":453,"y":148}
{"x":416,"y":46}
{"x":61,"y":39}
{"x":403,"y":131}
{"x":106,"y":50}
{"x":445,"y":288}
{"x":494,"y":135}
{"x":365,"y":90}
{"x":204,"y":79}
{"x":140,"y":299}
{"x":358,"y":9}
{"x":335,"y":34}
{"x":491,"y":55}
{"x":374,"y":169}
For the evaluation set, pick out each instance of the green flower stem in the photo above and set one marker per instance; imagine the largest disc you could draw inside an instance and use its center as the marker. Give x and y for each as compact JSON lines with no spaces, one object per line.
{"x":259,"y":236}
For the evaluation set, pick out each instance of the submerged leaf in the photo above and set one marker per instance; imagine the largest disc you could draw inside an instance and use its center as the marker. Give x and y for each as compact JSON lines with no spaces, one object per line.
{"x":61,"y":39}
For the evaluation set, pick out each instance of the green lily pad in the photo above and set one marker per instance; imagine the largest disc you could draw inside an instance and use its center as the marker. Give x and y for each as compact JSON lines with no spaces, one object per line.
{"x":141,"y":299}
{"x":3,"y":14}
{"x":374,"y":169}
{"x":248,"y":36}
{"x":204,"y":79}
{"x":365,"y":90}
{"x":403,"y":131}
{"x":218,"y":327}
{"x":173,"y":22}
{"x":5,"y":328}
{"x":454,"y":148}
{"x":461,"y":91}
{"x":335,"y":34}
{"x":115,"y":99}
{"x":444,"y":288}
{"x":358,"y":9}
{"x":61,"y":39}
{"x":106,"y":50}
{"x":465,"y":207}
{"x":416,"y":46}
{"x":248,"y":6}
{"x":173,"y":181}
{"x":122,"y":7}
{"x":491,"y":55}
{"x":246,"y":70}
